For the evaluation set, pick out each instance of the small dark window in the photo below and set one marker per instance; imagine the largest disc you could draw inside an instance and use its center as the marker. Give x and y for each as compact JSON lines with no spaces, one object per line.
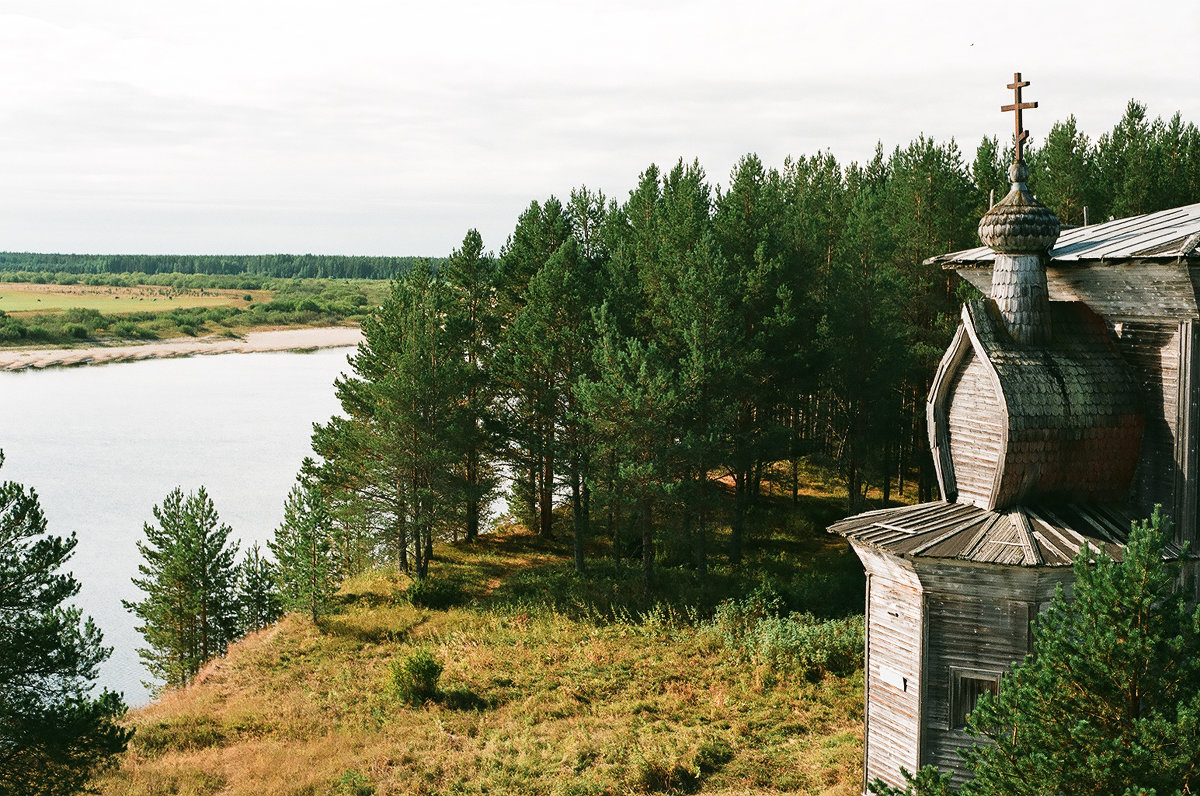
{"x":966,"y":686}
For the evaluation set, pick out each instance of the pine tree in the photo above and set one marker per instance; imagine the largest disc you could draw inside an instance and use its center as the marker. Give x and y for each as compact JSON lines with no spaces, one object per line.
{"x":190,"y":611}
{"x":473,"y":322}
{"x":989,"y":173}
{"x":1062,"y":172}
{"x":1110,"y":697}
{"x":303,"y":548}
{"x":1129,"y":168}
{"x":749,"y":235}
{"x":541,"y":232}
{"x":398,"y":454}
{"x":54,"y":736}
{"x":631,"y":405}
{"x":258,"y":599}
{"x":544,"y":352}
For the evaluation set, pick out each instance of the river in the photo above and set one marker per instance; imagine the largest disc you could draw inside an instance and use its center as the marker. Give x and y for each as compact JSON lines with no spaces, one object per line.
{"x":103,"y":445}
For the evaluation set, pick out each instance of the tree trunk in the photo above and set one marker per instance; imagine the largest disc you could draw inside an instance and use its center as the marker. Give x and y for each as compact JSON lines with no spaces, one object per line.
{"x":546,"y":498}
{"x":854,"y":487}
{"x":647,"y":544}
{"x":578,"y":514}
{"x":472,"y":532}
{"x":535,"y":466}
{"x":887,"y":474}
{"x":402,"y":539}
{"x":737,"y":524}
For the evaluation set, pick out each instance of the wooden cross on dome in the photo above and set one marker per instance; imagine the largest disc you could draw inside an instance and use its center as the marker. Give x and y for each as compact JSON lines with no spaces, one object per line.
{"x":1018,"y":106}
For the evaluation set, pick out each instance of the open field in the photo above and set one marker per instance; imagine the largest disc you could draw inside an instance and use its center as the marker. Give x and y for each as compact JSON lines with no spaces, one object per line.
{"x":23,"y":297}
{"x":35,"y":314}
{"x":553,"y":684}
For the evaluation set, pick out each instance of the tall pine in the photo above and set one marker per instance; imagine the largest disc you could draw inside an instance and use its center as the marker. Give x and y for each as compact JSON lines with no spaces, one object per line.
{"x":189,"y":613}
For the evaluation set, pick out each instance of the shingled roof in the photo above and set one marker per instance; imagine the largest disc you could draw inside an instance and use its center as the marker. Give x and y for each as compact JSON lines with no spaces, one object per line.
{"x":1069,"y":411}
{"x":1028,"y":535}
{"x":1166,"y":235}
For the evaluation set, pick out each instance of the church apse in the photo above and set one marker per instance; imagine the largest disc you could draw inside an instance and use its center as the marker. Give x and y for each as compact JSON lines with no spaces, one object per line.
{"x":1045,"y":426}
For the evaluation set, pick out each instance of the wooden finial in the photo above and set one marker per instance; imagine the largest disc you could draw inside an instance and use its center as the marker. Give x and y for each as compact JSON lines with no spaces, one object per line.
{"x":1018,"y":106}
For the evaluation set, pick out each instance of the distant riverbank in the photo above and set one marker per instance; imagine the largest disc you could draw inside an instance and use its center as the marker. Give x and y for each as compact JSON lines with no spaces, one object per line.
{"x":251,"y":342}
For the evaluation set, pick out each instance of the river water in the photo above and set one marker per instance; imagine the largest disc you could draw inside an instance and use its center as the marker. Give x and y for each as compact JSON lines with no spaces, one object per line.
{"x":102,"y":445}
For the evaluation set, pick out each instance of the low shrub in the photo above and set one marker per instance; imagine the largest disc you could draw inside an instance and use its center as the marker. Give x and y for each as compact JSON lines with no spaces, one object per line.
{"x":760,"y":628}
{"x":808,"y":646}
{"x":12,"y":330}
{"x":415,"y":677}
{"x":128,"y":330}
{"x":353,"y":783}
{"x":434,"y":593}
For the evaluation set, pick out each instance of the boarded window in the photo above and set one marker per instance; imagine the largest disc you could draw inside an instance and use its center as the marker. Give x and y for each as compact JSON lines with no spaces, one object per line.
{"x":966,"y":686}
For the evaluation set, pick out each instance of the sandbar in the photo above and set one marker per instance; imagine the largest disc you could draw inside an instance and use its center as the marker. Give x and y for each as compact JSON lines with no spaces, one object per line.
{"x":252,"y":342}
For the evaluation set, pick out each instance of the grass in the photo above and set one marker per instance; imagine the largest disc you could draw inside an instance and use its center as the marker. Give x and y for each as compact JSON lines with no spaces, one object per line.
{"x":20,"y":297}
{"x":37,"y":313}
{"x":551,"y":683}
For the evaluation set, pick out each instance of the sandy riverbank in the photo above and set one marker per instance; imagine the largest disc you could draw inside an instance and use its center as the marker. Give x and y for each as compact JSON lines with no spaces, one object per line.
{"x":273,"y":340}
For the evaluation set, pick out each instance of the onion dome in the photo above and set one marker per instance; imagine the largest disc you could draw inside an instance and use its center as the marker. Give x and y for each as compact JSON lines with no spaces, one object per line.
{"x":1019,"y":223}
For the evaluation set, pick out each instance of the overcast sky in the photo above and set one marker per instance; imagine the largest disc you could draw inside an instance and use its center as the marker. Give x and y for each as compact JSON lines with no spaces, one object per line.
{"x":391,"y":127}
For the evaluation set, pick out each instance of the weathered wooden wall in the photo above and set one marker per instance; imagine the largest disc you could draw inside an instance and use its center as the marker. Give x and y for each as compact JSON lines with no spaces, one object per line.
{"x":976,"y":427}
{"x":978,"y":620}
{"x":1130,"y":290}
{"x":1187,"y":431}
{"x":893,"y":654}
{"x":1152,"y":349}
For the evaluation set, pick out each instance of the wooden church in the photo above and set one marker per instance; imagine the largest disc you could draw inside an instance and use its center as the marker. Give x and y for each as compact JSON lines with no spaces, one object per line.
{"x":1065,"y":407}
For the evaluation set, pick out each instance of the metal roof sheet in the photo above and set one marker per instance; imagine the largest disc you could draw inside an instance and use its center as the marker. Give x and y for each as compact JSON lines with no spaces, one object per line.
{"x":1167,"y":234}
{"x":1029,"y":535}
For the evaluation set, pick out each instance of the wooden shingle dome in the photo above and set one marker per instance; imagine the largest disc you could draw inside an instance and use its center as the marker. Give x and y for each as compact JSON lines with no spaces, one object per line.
{"x":1010,"y":422}
{"x":1067,"y":405}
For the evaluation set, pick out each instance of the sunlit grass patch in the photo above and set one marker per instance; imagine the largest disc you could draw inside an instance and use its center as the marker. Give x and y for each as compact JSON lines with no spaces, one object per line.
{"x":550,"y":683}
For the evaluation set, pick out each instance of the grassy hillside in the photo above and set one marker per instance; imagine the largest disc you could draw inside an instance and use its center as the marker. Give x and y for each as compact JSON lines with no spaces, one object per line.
{"x":552,"y":684}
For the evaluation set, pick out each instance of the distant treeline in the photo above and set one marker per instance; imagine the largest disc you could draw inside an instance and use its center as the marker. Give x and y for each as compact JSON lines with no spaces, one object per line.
{"x":291,"y":266}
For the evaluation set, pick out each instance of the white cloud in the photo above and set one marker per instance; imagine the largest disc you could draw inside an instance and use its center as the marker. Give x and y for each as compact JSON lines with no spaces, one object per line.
{"x":392,"y":127}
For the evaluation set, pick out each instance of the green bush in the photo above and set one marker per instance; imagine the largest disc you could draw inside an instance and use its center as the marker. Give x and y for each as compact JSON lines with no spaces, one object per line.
{"x":735,"y":620}
{"x":808,"y":646}
{"x":12,"y":330}
{"x":432,"y":593}
{"x":415,"y":677}
{"x":354,"y":783}
{"x":76,"y":330}
{"x":129,"y":330}
{"x":759,"y":627}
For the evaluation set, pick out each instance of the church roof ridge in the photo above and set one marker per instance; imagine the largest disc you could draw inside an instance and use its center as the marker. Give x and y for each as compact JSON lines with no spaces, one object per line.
{"x":1163,"y":235}
{"x":1027,"y":535}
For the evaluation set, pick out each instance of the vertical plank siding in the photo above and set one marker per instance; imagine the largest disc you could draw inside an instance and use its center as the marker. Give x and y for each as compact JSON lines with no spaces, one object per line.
{"x":894,"y":678}
{"x":894,"y":641}
{"x":975,"y":430}
{"x":1152,"y":349}
{"x":971,"y":633}
{"x":1187,"y":446}
{"x":978,"y":619}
